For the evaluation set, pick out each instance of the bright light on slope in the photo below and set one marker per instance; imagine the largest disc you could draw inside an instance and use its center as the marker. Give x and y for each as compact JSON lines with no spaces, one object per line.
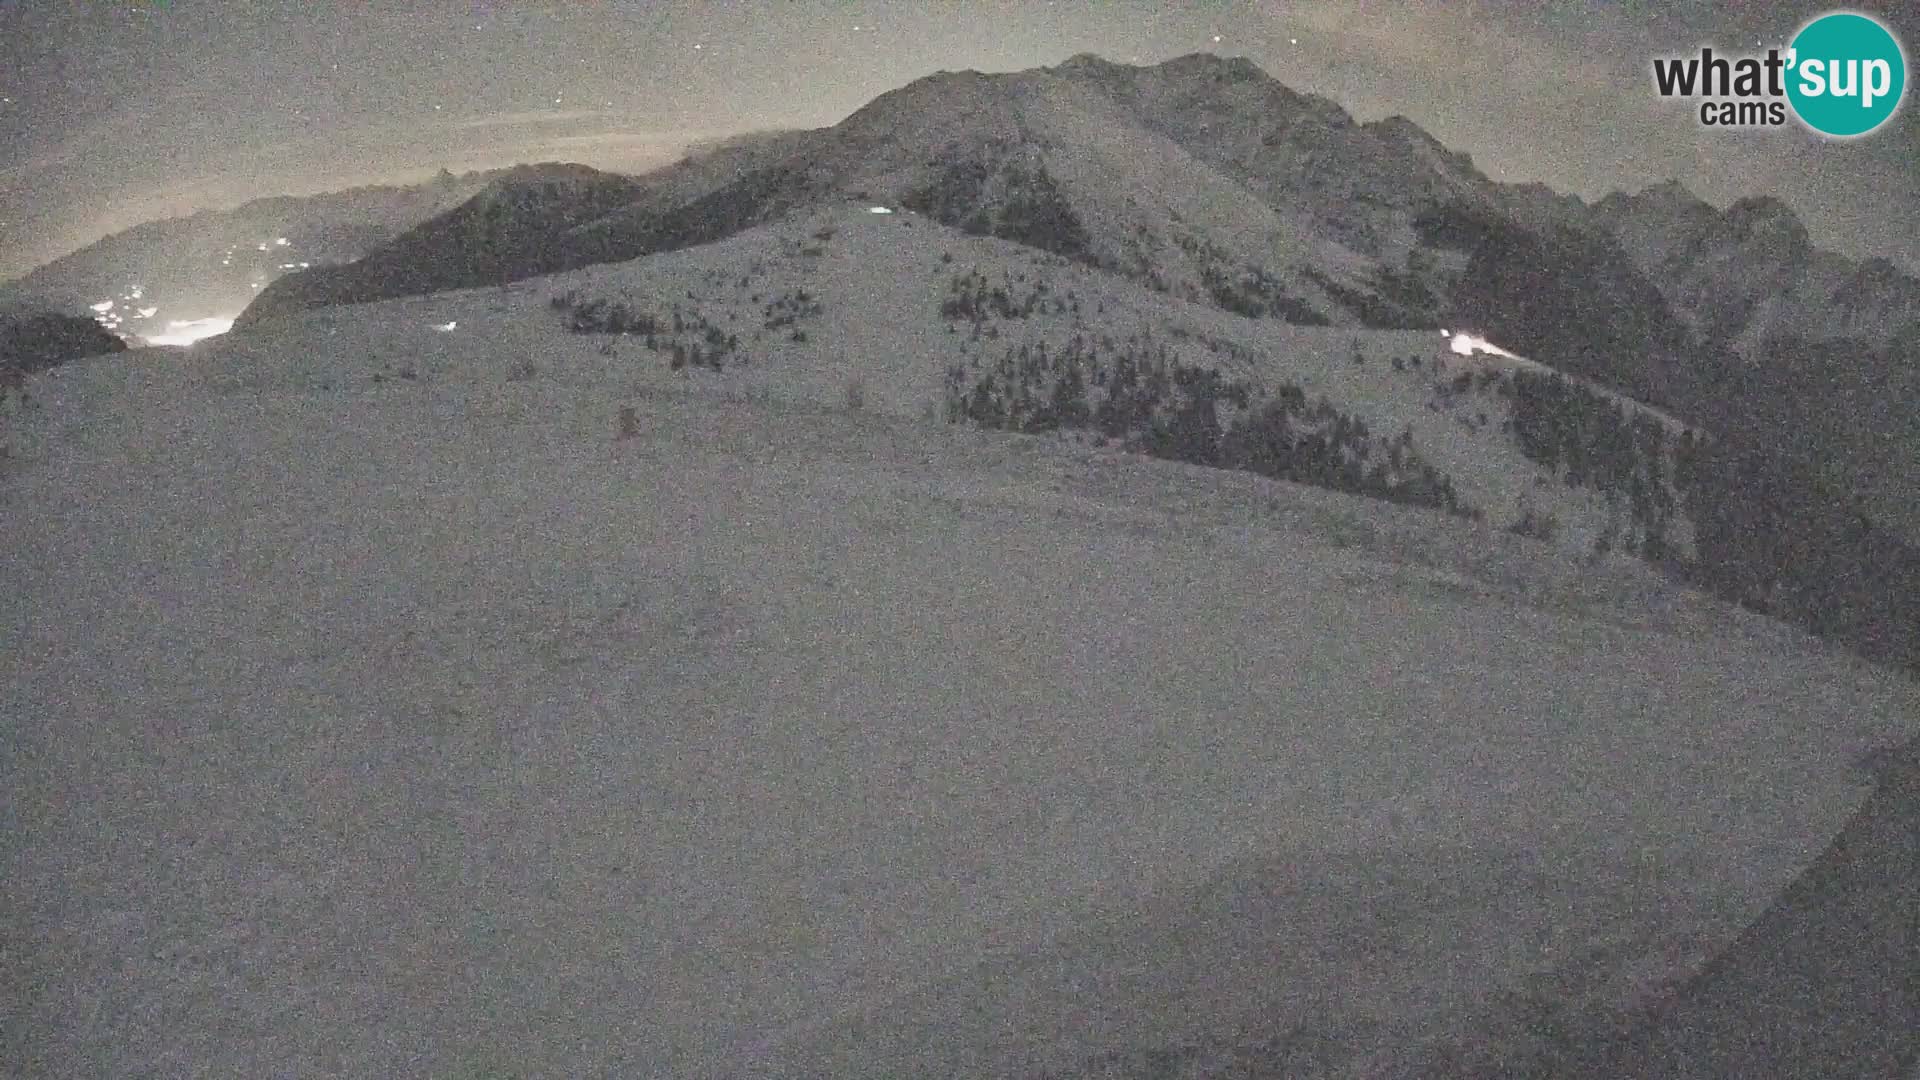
{"x":188,"y":331}
{"x":446,"y":327}
{"x":1467,"y":344}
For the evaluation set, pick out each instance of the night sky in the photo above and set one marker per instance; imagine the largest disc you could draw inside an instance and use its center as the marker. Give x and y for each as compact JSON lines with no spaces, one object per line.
{"x":114,"y":113}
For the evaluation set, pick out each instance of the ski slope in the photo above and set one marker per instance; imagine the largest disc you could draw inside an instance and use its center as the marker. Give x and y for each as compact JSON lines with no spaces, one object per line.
{"x":421,"y":726}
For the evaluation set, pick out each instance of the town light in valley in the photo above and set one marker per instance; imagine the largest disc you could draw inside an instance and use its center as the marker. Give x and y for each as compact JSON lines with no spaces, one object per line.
{"x":188,"y":331}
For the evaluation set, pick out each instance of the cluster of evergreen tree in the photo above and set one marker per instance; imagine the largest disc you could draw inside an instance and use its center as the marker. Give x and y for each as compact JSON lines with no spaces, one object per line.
{"x":972,"y":298}
{"x":1770,"y":533}
{"x":790,"y":307}
{"x":1411,"y":290}
{"x":1466,"y":382}
{"x":1559,"y":423}
{"x":952,"y":194}
{"x":1387,"y":309}
{"x":710,"y":345}
{"x":1251,"y":292}
{"x":1027,"y":389}
{"x":600,"y":317}
{"x":1289,"y":439}
{"x":1774,"y":537}
{"x":1012,"y":199}
{"x":1037,"y":214}
{"x":1139,"y":393}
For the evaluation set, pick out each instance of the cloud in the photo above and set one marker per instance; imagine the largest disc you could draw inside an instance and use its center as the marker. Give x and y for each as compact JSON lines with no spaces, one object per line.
{"x":103,"y":137}
{"x":533,"y":116}
{"x":311,"y":163}
{"x":634,"y":138}
{"x":1425,"y":44}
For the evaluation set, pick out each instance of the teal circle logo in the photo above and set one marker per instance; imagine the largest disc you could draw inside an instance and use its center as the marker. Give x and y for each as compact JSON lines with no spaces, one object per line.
{"x":1847,"y":74}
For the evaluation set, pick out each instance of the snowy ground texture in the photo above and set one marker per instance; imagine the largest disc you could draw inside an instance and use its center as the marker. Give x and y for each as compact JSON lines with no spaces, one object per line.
{"x":423,"y":727}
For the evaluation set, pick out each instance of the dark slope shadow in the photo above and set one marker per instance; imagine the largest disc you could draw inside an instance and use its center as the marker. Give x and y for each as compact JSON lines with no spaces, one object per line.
{"x":1302,"y":964}
{"x":1826,"y":983}
{"x":1285,"y":967}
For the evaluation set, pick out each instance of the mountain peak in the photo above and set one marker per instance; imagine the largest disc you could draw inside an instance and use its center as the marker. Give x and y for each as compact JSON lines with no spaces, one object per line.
{"x":548,"y":171}
{"x":1235,"y":68}
{"x":1401,"y":130}
{"x":1087,"y":61}
{"x":1662,"y":207}
{"x":1670,"y":191}
{"x":1399,"y":127}
{"x":1756,"y":215}
{"x":1762,"y":208}
{"x":1669,"y":195}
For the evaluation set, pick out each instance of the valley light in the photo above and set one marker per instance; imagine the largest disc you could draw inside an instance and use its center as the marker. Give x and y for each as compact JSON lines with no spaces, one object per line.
{"x":878,"y":210}
{"x":103,"y":306}
{"x":446,"y":327}
{"x":149,"y":312}
{"x":281,"y":241}
{"x":188,"y":331}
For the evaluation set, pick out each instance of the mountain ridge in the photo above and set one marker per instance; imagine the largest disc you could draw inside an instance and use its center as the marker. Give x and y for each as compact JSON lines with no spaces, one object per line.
{"x":1206,"y":180}
{"x":1348,"y":188}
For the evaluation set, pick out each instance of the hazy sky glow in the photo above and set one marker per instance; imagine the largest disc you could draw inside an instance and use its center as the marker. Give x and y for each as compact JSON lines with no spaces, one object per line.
{"x":113,"y":113}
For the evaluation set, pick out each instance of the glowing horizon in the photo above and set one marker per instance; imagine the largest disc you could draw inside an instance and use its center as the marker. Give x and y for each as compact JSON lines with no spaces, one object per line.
{"x":188,"y":331}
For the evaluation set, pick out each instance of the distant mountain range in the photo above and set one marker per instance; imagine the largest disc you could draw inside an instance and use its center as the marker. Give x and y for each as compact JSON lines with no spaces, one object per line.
{"x":211,"y":265}
{"x":1208,"y":182}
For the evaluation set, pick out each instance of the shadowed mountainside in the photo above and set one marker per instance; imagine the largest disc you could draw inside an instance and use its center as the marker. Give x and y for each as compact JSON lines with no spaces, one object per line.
{"x":33,"y":341}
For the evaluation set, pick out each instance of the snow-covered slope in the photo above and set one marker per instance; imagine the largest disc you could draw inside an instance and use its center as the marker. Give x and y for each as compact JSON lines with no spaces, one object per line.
{"x":895,"y":302}
{"x":838,"y":296}
{"x":1201,"y":178}
{"x":376,"y":707}
{"x":1205,"y":179}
